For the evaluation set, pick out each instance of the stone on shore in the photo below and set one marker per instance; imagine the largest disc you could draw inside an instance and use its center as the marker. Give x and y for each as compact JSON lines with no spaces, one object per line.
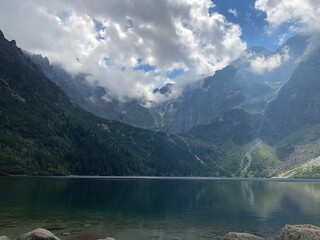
{"x":4,"y":238}
{"x":299,"y":232}
{"x":241,"y":236}
{"x":38,"y":234}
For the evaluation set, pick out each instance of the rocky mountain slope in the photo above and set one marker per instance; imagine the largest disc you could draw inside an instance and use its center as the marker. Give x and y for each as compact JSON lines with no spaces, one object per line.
{"x":292,"y":121}
{"x":234,"y":87}
{"x":285,"y":138}
{"x":298,"y":102}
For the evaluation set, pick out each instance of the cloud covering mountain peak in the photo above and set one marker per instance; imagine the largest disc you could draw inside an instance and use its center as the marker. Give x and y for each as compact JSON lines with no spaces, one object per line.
{"x":129,"y":47}
{"x":133,"y":47}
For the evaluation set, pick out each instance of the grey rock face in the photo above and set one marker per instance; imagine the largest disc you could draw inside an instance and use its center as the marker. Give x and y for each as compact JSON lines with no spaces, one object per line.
{"x":241,"y":236}
{"x":299,"y":232}
{"x":38,"y":234}
{"x":297,"y":104}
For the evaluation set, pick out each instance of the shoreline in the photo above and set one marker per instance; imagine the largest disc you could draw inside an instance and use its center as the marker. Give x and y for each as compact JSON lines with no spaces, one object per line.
{"x":292,"y":232}
{"x":272,"y":179}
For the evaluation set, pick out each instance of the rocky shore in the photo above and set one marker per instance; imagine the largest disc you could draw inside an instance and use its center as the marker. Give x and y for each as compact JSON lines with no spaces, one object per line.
{"x":288,"y":232}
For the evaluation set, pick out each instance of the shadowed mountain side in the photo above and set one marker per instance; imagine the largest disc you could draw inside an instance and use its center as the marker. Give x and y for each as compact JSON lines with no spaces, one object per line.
{"x":298,"y":103}
{"x":95,"y":98}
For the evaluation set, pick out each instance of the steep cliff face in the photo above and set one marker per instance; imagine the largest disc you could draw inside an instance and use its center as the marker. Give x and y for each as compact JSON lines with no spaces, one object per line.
{"x":219,"y":94}
{"x":297,"y":105}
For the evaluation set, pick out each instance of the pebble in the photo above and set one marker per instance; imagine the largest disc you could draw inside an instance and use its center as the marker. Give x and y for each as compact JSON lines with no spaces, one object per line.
{"x":55,"y":227}
{"x":5,"y":222}
{"x":155,"y":236}
{"x":10,"y":225}
{"x":207,"y":235}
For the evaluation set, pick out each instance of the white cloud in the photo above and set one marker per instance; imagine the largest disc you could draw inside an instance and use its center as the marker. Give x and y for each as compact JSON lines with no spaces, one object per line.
{"x":302,"y":16}
{"x":233,"y":12}
{"x":260,"y":63}
{"x":168,"y":34}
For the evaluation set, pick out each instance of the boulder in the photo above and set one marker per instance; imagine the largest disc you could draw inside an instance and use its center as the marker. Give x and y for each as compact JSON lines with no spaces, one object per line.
{"x":4,"y":237}
{"x":108,"y":238}
{"x":241,"y":236}
{"x":299,"y":232}
{"x":38,"y":234}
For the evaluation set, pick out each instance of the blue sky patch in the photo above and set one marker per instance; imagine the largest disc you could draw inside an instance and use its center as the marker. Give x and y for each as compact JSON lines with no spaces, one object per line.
{"x":252,"y":22}
{"x":63,"y":15}
{"x":99,"y":26}
{"x":107,"y":61}
{"x":175,"y":73}
{"x":143,"y":67}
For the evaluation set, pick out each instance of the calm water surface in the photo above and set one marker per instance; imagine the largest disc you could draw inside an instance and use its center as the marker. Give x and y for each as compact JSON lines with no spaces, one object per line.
{"x":155,"y":208}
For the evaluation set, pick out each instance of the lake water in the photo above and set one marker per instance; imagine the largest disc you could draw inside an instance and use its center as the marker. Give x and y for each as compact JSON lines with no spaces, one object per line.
{"x":155,"y":208}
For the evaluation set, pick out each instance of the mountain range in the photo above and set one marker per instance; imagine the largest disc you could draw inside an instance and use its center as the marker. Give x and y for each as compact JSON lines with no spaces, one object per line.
{"x":43,"y":132}
{"x":237,"y":122}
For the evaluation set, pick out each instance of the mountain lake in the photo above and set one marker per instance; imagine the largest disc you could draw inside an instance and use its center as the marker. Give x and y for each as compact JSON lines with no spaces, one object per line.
{"x":154,"y":208}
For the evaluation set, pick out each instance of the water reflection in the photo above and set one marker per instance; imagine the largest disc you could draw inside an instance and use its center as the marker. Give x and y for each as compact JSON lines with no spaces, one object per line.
{"x":171,"y":205}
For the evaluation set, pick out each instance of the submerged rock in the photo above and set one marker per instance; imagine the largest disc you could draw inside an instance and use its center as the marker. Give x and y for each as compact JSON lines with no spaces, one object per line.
{"x":54,"y":227}
{"x":38,"y":234}
{"x":87,"y":236}
{"x":299,"y":232}
{"x":241,"y":236}
{"x":108,"y":238}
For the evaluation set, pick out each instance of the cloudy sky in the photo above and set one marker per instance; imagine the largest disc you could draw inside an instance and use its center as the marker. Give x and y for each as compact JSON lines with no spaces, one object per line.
{"x":134,"y":46}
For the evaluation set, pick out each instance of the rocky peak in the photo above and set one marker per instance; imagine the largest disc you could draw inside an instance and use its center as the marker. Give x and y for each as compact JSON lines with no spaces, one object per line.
{"x":13,"y":43}
{"x":166,"y":89}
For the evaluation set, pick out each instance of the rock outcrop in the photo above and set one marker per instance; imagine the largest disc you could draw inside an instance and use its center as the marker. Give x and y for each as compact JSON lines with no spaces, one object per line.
{"x":241,"y":236}
{"x":38,"y":234}
{"x":299,"y":232}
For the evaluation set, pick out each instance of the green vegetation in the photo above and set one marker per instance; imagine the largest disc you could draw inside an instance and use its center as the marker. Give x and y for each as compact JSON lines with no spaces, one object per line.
{"x":310,"y":169}
{"x":264,"y":161}
{"x":294,"y":138}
